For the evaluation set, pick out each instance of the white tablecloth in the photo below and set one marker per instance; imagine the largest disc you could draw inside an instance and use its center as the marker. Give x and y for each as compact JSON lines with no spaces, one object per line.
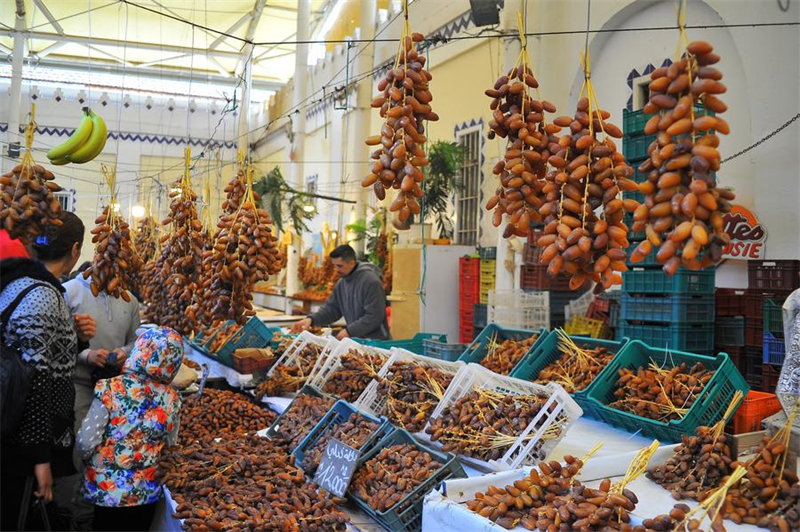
{"x":217,"y":370}
{"x":445,"y":511}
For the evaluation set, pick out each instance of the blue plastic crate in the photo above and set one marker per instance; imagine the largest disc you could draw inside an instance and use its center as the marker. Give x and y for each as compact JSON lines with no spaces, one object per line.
{"x":641,"y":281}
{"x":272,"y":431}
{"x":254,"y":334}
{"x":689,"y":337}
{"x":443,"y":351}
{"x":339,"y":413}
{"x":489,"y":252}
{"x":674,"y":308}
{"x":774,"y":349}
{"x":478,"y":349}
{"x":406,"y":515}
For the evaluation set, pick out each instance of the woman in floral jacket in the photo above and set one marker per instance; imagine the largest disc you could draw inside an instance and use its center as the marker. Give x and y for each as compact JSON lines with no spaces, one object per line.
{"x":133,"y":417}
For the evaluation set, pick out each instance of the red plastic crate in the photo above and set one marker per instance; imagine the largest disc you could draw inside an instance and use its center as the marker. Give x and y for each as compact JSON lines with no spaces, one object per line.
{"x":773,"y":274}
{"x":531,"y":254}
{"x":535,"y":277}
{"x":755,"y":407}
{"x":729,"y":302}
{"x":736,"y":353}
{"x":769,"y":378}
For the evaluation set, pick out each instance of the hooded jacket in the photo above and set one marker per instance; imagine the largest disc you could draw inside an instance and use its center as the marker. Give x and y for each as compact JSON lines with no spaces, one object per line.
{"x":42,"y":328}
{"x":133,"y":417}
{"x":360,"y":298}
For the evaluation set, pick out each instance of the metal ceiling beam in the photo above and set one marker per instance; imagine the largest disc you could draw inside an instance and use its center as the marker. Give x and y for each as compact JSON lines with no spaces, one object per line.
{"x":161,"y":73}
{"x":49,"y":16}
{"x":44,"y":52}
{"x":110,"y":56}
{"x":235,"y":26}
{"x":247,"y":49}
{"x":97,"y":41}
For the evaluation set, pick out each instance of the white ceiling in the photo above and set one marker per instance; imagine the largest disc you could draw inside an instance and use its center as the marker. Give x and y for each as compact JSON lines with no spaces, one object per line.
{"x":110,"y":33}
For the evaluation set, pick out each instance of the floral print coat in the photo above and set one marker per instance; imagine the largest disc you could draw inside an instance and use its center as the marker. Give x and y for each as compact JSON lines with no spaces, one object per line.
{"x":133,"y":417}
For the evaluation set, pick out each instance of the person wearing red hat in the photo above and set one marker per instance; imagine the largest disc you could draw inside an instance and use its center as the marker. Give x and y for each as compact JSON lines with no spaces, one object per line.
{"x":11,"y":248}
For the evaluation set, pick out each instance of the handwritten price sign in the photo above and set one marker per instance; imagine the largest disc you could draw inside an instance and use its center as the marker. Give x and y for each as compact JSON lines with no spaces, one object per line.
{"x":336,"y":468}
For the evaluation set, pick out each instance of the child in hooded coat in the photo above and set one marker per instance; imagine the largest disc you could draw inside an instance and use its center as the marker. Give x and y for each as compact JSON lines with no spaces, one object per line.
{"x":132,"y":418}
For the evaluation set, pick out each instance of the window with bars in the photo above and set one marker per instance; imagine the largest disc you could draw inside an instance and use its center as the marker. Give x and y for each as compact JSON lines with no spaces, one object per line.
{"x":468,"y":207}
{"x":66,"y":198}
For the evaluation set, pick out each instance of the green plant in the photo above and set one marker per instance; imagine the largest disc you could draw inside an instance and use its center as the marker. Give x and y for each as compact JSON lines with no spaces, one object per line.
{"x":359,"y":228}
{"x":282,"y":202}
{"x":441,"y":180}
{"x":373,"y":237}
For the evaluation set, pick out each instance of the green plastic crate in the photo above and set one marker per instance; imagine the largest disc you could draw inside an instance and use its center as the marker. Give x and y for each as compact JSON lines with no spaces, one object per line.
{"x":633,"y":122}
{"x":547,"y":352}
{"x":415,"y":344}
{"x":406,"y":515}
{"x":636,"y":236}
{"x":638,"y":281}
{"x":691,"y":337}
{"x":706,"y":411}
{"x":635,"y":148}
{"x":478,"y":349}
{"x":443,"y":351}
{"x":773,"y":317}
{"x":675,"y":308}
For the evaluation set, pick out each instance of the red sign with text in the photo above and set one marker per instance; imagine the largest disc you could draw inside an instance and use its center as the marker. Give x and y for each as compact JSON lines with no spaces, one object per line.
{"x":748,"y":237}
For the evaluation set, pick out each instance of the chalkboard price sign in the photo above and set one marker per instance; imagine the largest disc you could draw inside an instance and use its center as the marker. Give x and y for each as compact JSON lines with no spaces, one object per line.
{"x":336,"y":468}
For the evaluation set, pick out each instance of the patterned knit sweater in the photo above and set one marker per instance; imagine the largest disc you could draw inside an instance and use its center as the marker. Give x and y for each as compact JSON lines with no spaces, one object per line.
{"x":43,"y":329}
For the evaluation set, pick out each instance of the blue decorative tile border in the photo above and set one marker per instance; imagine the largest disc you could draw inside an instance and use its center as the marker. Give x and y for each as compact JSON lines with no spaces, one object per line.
{"x":136,"y":137}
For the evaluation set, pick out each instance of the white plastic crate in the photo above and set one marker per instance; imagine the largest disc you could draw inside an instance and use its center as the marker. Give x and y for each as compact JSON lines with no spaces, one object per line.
{"x":519,"y":318}
{"x":373,"y":403}
{"x":330,"y":360}
{"x":580,"y":306}
{"x":290,"y":356}
{"x":519,"y":299}
{"x":524,"y":451}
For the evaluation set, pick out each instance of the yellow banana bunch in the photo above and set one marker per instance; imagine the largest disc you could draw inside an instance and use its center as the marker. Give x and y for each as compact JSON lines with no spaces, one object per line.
{"x":85,"y":143}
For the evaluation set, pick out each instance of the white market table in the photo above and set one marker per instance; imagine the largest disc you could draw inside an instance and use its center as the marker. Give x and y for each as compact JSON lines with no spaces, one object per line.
{"x":217,"y":370}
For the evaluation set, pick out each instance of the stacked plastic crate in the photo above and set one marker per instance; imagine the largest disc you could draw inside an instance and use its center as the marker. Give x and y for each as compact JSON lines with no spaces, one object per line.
{"x":669,"y":312}
{"x":517,"y":309}
{"x":729,"y":333}
{"x":534,"y":278}
{"x":469,"y":282}
{"x":488,"y":258}
{"x":769,"y":284}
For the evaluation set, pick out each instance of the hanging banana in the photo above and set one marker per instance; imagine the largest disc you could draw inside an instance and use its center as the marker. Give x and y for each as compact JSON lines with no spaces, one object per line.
{"x":85,"y":143}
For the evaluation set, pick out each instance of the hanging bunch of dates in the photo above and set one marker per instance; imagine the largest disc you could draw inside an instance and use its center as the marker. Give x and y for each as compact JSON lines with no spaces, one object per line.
{"x":28,"y":204}
{"x":584,"y":234}
{"x":530,"y":140}
{"x":244,"y":251}
{"x":684,"y":208}
{"x":404,"y":105}
{"x":175,"y":274}
{"x":114,"y":262}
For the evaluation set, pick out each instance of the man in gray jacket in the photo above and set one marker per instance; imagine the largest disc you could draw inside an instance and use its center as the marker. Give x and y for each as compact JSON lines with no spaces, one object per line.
{"x":358,"y":296}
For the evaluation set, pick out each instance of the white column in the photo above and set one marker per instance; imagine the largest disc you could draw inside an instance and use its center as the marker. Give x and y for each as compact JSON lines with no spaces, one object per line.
{"x":504,"y":279}
{"x":362,"y":113}
{"x":15,"y":92}
{"x":295,"y":177}
{"x":244,"y":106}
